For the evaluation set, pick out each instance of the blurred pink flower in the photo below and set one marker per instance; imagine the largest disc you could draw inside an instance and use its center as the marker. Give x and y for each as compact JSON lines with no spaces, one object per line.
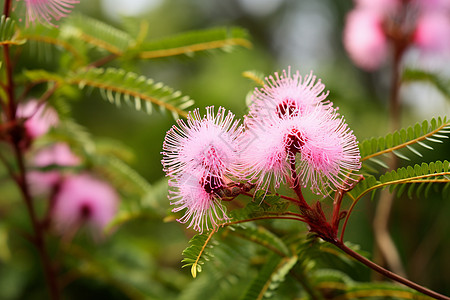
{"x":58,"y":155}
{"x":47,"y":11}
{"x":379,"y":6}
{"x":284,"y":95}
{"x":83,"y":199}
{"x":374,"y":24}
{"x":199,"y":155}
{"x":39,"y":118}
{"x":364,"y":38}
{"x":432,"y":33}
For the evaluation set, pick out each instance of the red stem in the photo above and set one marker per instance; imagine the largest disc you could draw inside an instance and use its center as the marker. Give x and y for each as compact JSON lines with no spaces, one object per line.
{"x":388,"y":273}
{"x":20,"y":178}
{"x":297,"y":188}
{"x":38,"y":240}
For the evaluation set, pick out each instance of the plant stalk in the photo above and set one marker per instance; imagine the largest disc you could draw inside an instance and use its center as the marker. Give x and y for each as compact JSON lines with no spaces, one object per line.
{"x":21,"y":180}
{"x":388,"y":273}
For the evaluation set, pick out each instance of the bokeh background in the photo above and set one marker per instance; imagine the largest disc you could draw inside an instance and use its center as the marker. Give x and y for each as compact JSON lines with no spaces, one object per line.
{"x":303,"y":34}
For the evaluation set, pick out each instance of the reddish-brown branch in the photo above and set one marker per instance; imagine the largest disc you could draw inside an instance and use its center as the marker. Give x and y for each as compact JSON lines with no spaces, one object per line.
{"x":388,"y":273}
{"x":38,"y":240}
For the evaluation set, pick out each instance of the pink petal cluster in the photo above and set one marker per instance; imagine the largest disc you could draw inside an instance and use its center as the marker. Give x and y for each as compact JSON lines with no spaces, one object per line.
{"x":57,"y":155}
{"x":284,"y":93}
{"x":83,"y":199}
{"x":200,"y":156}
{"x":48,"y":11}
{"x":39,"y":118}
{"x":291,"y":129}
{"x":373,"y":26}
{"x":327,"y":148}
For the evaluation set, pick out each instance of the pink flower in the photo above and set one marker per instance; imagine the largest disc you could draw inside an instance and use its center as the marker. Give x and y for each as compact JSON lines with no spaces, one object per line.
{"x":196,"y":193}
{"x":56,"y":155}
{"x":39,"y":118}
{"x":380,"y":6}
{"x":327,"y":148}
{"x":48,"y":11}
{"x":364,"y":38}
{"x":200,"y":155}
{"x":283,"y":95}
{"x":329,"y":152}
{"x":83,"y":199}
{"x":432,"y":33}
{"x":372,"y":25}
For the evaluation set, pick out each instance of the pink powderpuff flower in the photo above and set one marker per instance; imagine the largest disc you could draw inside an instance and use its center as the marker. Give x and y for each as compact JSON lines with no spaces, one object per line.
{"x":283,"y":95}
{"x":47,"y":11}
{"x":58,"y":154}
{"x":364,"y":38}
{"x":206,"y":148}
{"x":39,"y":118}
{"x":329,"y":153}
{"x":84,"y":200}
{"x":432,"y":32}
{"x":194,"y":193}
{"x":327,"y":149}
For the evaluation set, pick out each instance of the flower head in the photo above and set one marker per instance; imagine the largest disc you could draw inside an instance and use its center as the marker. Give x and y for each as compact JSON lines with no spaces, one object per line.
{"x":286,"y":95}
{"x":48,"y":11}
{"x":326,"y":148}
{"x":56,"y":155}
{"x":39,"y":118}
{"x":200,"y":155}
{"x":83,"y":199}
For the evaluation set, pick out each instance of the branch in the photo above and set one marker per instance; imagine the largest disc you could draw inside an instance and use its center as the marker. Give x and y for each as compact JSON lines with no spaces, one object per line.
{"x":388,"y":273}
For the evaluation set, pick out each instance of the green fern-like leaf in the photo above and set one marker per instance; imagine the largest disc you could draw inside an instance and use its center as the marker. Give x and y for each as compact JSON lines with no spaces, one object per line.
{"x":262,"y":236}
{"x":195,"y":42}
{"x":405,"y":142}
{"x":97,"y":34}
{"x":198,"y":252}
{"x":117,"y":85}
{"x":43,"y":40}
{"x":442,"y":85}
{"x":420,"y":175}
{"x":8,"y":34}
{"x":269,"y":278}
{"x":262,"y":205}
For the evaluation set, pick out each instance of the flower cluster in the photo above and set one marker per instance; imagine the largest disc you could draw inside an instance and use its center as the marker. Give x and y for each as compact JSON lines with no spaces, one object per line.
{"x":373,"y":25}
{"x":289,"y":115}
{"x":76,"y":199}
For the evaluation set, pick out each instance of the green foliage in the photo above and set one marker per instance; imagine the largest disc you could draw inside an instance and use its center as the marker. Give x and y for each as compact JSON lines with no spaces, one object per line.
{"x":8,"y":34}
{"x":419,"y":175}
{"x":198,"y":252}
{"x":97,"y":33}
{"x":406,"y":139}
{"x":442,"y":85}
{"x":261,"y":205}
{"x":117,"y":85}
{"x":189,"y":43}
{"x":262,"y":236}
{"x":269,"y":278}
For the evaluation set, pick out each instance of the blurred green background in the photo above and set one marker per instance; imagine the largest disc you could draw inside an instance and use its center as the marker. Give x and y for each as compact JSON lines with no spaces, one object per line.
{"x":303,"y":34}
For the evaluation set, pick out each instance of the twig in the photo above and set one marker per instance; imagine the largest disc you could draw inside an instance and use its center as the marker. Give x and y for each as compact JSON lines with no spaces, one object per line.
{"x":388,"y":273}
